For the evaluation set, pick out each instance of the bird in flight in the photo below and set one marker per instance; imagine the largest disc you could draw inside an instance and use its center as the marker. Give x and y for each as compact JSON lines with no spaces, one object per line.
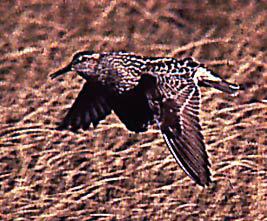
{"x":143,"y":91}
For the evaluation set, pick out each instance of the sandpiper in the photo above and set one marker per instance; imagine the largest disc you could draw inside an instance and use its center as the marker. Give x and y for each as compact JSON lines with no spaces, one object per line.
{"x":143,"y":91}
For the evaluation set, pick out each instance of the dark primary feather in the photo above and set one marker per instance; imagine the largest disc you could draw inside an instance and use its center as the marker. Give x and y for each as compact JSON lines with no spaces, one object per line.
{"x":91,"y":106}
{"x":96,"y":101}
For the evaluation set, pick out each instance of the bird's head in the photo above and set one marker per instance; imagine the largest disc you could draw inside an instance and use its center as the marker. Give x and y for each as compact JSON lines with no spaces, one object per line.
{"x":84,"y":63}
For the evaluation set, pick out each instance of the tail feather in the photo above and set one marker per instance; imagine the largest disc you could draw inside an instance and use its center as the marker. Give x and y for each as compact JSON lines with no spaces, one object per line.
{"x":208,"y":78}
{"x":223,"y":86}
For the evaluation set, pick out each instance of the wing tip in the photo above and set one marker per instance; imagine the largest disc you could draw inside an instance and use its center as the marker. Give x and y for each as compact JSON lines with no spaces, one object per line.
{"x":202,"y":177}
{"x":89,"y":108}
{"x":204,"y":182}
{"x":64,"y":126}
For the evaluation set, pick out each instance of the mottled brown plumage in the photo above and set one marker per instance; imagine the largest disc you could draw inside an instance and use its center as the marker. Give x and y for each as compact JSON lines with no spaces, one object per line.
{"x":143,"y":91}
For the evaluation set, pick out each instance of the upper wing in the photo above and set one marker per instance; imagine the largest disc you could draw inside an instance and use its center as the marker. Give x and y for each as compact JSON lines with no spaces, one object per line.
{"x":90,"y":106}
{"x":179,"y":123}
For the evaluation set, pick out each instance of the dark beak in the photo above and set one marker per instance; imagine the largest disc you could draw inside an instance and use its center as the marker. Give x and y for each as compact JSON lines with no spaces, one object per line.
{"x":61,"y":71}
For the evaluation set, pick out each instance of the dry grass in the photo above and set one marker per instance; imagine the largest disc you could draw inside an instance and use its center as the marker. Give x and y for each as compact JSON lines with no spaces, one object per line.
{"x":108,"y":173}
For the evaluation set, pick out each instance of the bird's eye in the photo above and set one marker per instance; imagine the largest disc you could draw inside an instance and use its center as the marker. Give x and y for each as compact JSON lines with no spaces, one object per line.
{"x":80,"y":58}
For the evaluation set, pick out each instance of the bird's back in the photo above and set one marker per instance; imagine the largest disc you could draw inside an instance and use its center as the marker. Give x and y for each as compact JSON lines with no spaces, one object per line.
{"x":123,"y":70}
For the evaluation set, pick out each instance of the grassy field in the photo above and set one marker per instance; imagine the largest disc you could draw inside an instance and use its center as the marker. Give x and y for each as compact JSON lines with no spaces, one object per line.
{"x":109,"y":173}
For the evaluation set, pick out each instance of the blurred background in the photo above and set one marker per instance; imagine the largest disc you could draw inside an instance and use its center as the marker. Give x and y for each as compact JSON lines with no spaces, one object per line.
{"x":109,"y":173}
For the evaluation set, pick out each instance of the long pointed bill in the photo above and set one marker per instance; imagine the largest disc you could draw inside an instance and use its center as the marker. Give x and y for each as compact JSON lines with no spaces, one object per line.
{"x":61,"y":71}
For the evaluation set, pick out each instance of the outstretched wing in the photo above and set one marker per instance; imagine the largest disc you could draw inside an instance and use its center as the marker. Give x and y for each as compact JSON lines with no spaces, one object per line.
{"x":179,"y":123}
{"x":90,"y":106}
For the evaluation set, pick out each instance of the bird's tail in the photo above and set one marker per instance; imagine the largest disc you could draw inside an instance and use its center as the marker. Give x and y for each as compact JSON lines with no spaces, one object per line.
{"x":208,"y":78}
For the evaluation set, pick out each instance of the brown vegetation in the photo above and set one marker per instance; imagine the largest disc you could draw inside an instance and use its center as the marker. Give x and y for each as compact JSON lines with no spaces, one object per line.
{"x":109,"y":173}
